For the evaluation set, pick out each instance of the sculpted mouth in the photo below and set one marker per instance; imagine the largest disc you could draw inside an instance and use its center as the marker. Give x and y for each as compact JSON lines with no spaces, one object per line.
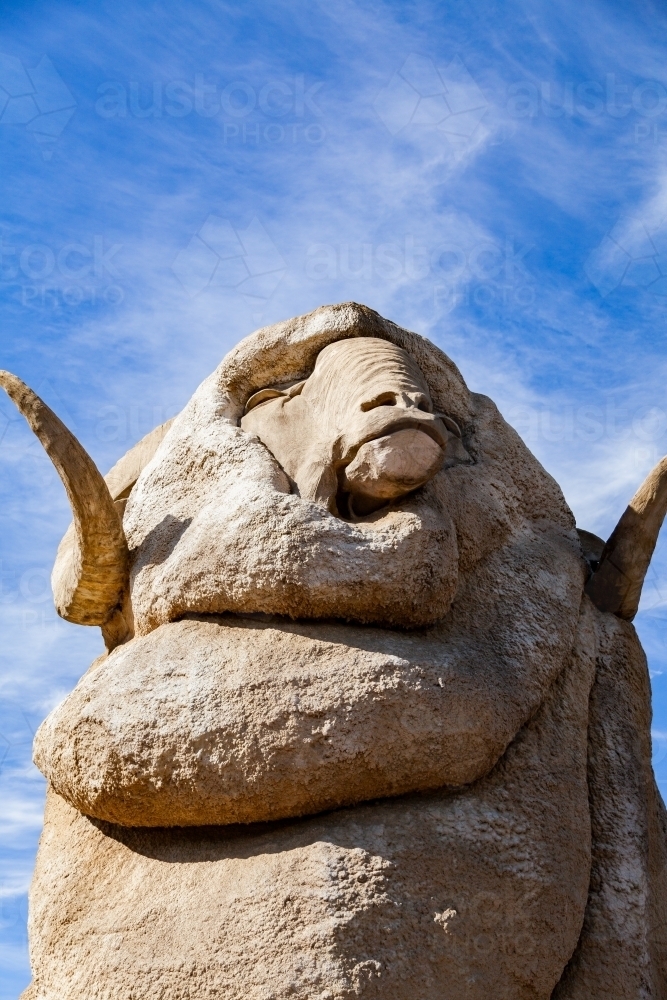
{"x":434,"y":428}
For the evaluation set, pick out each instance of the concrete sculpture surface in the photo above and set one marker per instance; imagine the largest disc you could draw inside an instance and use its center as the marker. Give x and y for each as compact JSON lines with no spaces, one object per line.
{"x":373,"y":720}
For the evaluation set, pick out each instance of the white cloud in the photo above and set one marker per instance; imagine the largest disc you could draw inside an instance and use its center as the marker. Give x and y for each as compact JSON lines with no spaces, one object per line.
{"x":418,"y":219}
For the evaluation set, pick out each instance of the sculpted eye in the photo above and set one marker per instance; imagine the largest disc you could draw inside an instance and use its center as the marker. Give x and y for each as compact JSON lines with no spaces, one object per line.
{"x":384,"y":399}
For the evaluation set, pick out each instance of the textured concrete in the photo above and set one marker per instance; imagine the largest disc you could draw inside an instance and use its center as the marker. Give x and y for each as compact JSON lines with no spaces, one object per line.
{"x":234,"y":720}
{"x":622,"y":954}
{"x":335,"y":754}
{"x":477,"y":893}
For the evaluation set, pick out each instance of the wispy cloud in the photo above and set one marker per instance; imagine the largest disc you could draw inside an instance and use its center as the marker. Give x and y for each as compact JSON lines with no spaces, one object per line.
{"x":458,"y":170}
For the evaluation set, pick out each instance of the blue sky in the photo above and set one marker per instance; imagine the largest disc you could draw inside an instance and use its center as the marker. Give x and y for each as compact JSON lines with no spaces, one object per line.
{"x":493,"y":176}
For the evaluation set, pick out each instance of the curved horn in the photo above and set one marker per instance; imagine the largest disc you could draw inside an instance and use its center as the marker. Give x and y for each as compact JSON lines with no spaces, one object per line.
{"x":91,"y":570}
{"x":617,"y":584}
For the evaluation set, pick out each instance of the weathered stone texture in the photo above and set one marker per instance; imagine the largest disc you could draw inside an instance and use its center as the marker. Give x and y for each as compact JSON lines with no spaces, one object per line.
{"x":341,"y":747}
{"x":480,"y":892}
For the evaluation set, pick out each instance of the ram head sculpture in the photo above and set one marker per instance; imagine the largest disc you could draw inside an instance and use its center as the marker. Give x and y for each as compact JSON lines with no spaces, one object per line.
{"x":373,"y":719}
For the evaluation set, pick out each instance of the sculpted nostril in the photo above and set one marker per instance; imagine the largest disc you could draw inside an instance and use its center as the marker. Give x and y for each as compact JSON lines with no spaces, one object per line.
{"x":384,"y":399}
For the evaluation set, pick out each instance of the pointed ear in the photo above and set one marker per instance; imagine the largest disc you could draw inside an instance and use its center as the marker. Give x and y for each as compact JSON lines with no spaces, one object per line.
{"x":455,"y":453}
{"x":261,"y":397}
{"x":450,"y":424}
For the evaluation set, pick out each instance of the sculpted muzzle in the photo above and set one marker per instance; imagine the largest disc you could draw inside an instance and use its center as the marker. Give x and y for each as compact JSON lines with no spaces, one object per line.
{"x":360,"y":431}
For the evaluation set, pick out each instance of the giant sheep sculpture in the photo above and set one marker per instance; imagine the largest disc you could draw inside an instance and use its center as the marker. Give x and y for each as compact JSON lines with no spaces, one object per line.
{"x":372,"y":721}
